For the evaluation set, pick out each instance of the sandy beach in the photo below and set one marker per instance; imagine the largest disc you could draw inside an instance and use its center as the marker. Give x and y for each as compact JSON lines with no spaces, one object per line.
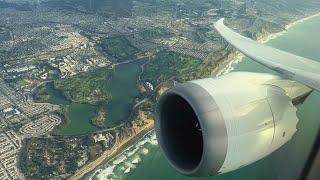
{"x":227,"y":64}
{"x":109,"y":154}
{"x":301,"y":20}
{"x":224,"y":67}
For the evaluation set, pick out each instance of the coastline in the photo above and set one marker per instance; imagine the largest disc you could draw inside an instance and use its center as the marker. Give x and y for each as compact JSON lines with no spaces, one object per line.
{"x":109,"y":154}
{"x":224,"y":66}
{"x":301,"y":20}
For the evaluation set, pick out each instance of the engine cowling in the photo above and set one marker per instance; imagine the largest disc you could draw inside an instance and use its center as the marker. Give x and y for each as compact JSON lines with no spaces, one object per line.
{"x":212,"y":126}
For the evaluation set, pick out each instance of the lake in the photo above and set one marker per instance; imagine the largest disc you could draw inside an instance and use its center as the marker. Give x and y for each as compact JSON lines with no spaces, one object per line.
{"x":144,"y":161}
{"x":123,"y":88}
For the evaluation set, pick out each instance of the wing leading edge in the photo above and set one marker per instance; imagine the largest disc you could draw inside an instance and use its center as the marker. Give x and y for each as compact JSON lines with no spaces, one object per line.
{"x":291,"y":66}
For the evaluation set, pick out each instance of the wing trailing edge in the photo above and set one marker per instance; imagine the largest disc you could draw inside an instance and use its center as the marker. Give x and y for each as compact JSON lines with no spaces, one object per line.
{"x":300,"y":69}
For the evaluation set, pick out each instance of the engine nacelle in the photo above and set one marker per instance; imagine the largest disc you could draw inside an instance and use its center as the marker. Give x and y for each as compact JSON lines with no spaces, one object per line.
{"x":212,"y":126}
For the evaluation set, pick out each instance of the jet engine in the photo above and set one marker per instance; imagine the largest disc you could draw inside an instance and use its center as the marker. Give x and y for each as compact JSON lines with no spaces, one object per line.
{"x":216,"y":125}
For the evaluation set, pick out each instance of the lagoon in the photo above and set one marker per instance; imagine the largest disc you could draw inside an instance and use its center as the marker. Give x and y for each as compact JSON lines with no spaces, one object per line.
{"x":123,"y":88}
{"x":286,"y":163}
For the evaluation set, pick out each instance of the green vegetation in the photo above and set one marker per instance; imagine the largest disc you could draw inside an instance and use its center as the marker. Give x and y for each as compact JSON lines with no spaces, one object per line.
{"x":86,"y":88}
{"x":48,"y":158}
{"x":77,"y":116}
{"x":41,"y":95}
{"x":99,"y":119}
{"x":37,"y":163}
{"x":200,"y":34}
{"x":167,"y":64}
{"x":156,"y":33}
{"x":48,"y":93}
{"x":22,"y":82}
{"x":119,"y":47}
{"x":83,"y":112}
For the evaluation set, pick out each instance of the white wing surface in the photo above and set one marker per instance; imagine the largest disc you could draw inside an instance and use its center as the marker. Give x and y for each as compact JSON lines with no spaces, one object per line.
{"x":303,"y":70}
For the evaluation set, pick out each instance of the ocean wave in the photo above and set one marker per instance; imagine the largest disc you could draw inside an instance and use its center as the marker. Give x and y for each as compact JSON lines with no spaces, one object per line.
{"x":106,"y":173}
{"x":301,"y":20}
{"x":239,"y":58}
{"x":127,"y":161}
{"x":119,"y":160}
{"x":136,"y":160}
{"x":145,"y":151}
{"x":127,"y":170}
{"x":230,"y":67}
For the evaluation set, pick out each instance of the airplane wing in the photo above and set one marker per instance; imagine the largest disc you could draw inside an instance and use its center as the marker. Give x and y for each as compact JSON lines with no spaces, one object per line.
{"x":300,"y":69}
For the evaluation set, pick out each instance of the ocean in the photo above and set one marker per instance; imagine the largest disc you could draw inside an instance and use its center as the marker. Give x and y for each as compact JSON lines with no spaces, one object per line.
{"x":144,"y":161}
